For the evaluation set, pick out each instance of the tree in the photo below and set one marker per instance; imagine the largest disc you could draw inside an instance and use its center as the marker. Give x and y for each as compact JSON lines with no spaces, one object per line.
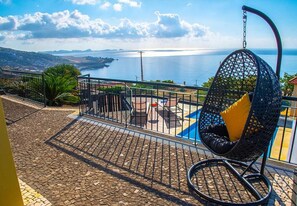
{"x":208,"y":82}
{"x":63,"y":70}
{"x":59,"y":90}
{"x":59,"y":85}
{"x":245,"y":84}
{"x":285,"y":86}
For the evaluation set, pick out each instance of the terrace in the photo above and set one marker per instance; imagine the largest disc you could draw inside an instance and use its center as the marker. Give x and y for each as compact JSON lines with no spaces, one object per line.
{"x":107,"y":155}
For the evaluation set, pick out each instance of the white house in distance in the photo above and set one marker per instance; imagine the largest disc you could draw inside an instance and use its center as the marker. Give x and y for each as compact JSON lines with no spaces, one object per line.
{"x":294,"y":94}
{"x":293,"y":141}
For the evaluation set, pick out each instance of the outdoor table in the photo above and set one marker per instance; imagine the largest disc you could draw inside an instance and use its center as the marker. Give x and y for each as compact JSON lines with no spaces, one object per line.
{"x":153,"y":115}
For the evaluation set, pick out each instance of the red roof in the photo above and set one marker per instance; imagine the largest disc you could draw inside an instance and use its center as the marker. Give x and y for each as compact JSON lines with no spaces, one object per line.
{"x":293,"y":81}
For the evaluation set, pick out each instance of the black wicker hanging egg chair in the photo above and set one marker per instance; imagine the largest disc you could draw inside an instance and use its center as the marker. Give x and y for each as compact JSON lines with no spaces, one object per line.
{"x":242,"y":72}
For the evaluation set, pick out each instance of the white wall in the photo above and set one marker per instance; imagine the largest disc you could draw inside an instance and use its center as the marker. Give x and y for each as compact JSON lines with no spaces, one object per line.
{"x":294,"y":150}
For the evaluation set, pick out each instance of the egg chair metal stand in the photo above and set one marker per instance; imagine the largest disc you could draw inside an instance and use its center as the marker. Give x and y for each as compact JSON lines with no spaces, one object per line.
{"x":241,"y":72}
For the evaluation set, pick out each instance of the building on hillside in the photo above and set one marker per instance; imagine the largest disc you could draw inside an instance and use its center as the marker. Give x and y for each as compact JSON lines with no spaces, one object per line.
{"x":294,"y":94}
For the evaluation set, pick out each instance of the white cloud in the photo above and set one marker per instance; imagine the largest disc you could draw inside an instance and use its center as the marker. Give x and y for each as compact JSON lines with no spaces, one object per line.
{"x":8,"y":23}
{"x":5,"y":1}
{"x":105,"y":5}
{"x":117,"y":7}
{"x":2,"y":37}
{"x":120,"y":4}
{"x":84,"y":2}
{"x":170,"y":26}
{"x":131,"y":3}
{"x":66,"y":24}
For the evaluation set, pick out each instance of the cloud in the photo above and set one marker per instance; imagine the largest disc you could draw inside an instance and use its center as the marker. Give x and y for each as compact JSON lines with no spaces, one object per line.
{"x":84,"y":2}
{"x":168,"y":25}
{"x":171,"y":26}
{"x":2,"y":37}
{"x":117,"y":7}
{"x":66,"y":24}
{"x":8,"y":23}
{"x":5,"y":1}
{"x":127,"y":28}
{"x":105,"y":5}
{"x":131,"y":3}
{"x":121,"y":4}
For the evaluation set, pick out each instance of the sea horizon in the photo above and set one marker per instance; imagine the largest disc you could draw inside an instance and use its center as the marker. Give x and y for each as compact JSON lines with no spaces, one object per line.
{"x":183,"y":66}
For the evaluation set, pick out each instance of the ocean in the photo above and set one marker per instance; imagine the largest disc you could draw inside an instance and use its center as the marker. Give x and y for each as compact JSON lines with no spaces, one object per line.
{"x":192,"y":67}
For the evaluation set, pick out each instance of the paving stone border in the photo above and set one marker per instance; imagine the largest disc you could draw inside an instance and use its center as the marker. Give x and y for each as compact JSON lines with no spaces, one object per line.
{"x":31,"y":197}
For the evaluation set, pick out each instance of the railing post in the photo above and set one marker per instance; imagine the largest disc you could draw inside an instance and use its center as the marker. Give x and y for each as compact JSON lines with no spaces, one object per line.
{"x":89,"y":94}
{"x":43,"y":89}
{"x":294,"y":128}
{"x":294,"y":193}
{"x":157,"y":108}
{"x":126,"y":115}
{"x":80,"y":96}
{"x":283,"y":135}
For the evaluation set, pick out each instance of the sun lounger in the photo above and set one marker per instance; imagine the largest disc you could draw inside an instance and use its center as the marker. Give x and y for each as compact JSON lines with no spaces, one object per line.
{"x":170,"y":104}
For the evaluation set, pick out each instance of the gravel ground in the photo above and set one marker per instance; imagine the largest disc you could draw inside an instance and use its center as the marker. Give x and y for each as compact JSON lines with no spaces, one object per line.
{"x":72,"y":162}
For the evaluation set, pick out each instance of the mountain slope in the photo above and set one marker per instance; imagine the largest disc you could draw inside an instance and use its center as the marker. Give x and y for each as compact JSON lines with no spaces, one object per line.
{"x":21,"y":60}
{"x":28,"y":60}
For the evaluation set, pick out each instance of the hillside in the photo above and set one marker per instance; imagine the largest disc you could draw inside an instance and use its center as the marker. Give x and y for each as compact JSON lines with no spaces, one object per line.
{"x":21,"y":60}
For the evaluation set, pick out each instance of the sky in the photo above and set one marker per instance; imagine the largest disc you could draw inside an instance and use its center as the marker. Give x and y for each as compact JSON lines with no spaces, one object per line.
{"x":42,"y":25}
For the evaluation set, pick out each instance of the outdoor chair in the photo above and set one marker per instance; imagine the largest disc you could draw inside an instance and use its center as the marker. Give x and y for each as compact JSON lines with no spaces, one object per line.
{"x":238,"y":119}
{"x":171,"y":104}
{"x":140,"y":111}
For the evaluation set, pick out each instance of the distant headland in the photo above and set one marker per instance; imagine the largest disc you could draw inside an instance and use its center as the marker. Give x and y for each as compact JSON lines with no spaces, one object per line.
{"x":39,"y":61}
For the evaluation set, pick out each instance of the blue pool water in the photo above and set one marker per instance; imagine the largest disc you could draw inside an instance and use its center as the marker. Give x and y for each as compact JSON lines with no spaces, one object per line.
{"x":192,"y":132}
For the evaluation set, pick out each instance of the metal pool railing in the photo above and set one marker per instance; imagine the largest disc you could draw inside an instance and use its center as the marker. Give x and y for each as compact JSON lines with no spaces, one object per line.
{"x":160,"y":107}
{"x":28,"y":85}
{"x":283,"y":146}
{"x":170,"y":109}
{"x":156,"y":106}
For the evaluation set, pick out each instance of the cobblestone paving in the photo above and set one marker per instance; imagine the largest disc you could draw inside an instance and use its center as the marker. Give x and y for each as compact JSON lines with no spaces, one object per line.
{"x":75,"y":162}
{"x":15,"y":112}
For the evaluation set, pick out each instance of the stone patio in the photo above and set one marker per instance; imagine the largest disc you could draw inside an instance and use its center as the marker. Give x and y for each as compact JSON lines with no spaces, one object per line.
{"x":86,"y":162}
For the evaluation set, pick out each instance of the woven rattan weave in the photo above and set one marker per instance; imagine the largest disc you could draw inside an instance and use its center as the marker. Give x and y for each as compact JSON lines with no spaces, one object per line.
{"x":243,"y":71}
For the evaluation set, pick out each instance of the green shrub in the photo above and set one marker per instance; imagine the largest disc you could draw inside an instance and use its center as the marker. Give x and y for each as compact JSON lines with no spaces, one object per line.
{"x":285,"y":104}
{"x":19,"y":87}
{"x":114,"y":90}
{"x":59,"y":90}
{"x":182,"y":89}
{"x":63,"y":70}
{"x":168,"y":81}
{"x":59,"y":85}
{"x":287,"y":88}
{"x":6,"y":83}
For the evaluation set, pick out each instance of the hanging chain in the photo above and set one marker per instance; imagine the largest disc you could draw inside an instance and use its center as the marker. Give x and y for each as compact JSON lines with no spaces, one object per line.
{"x":244,"y":18}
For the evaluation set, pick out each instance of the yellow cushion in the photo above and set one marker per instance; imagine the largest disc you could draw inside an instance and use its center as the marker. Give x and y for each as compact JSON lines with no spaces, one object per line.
{"x":235,"y":117}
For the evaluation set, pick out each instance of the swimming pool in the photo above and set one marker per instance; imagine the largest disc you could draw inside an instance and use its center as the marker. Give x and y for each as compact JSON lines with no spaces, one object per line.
{"x":191,"y":132}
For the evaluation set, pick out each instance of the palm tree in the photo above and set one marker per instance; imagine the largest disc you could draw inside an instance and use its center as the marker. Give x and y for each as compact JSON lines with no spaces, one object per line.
{"x":56,"y":87}
{"x":59,"y":90}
